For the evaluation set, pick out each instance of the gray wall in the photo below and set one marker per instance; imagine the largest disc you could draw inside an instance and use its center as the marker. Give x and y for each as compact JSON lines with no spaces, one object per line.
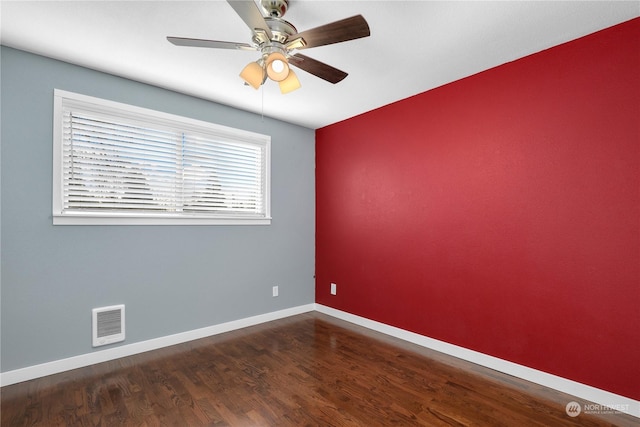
{"x":171,"y":278}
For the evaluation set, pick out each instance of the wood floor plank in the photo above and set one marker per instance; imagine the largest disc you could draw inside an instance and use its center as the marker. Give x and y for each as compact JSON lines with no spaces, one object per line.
{"x":306,"y":370}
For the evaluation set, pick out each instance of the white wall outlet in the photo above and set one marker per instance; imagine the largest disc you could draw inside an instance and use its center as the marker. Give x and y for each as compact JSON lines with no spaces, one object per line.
{"x":334,"y":289}
{"x":274,"y":291}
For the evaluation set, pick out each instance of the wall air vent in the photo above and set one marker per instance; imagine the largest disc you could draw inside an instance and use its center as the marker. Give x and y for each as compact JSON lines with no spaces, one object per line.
{"x":108,"y":325}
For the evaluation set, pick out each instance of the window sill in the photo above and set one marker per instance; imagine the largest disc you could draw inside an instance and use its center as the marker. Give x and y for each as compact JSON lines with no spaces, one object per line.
{"x":97,"y":219}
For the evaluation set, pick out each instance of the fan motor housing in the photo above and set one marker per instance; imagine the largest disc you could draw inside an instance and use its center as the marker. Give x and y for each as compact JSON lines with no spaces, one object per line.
{"x":280,"y":29}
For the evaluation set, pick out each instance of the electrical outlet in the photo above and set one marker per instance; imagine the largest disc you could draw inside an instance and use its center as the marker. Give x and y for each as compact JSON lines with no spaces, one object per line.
{"x":334,"y":289}
{"x":274,"y":291}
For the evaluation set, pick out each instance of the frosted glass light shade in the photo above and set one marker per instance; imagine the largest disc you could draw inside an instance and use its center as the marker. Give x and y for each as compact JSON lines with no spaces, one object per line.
{"x":253,"y":74}
{"x":290,"y":84}
{"x":277,"y":67}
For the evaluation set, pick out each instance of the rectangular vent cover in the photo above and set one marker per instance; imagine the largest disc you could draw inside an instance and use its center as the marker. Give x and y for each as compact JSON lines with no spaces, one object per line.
{"x":108,"y":325}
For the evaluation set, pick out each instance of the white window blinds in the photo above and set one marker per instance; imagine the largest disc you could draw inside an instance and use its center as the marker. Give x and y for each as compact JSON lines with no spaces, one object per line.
{"x":127,"y":162}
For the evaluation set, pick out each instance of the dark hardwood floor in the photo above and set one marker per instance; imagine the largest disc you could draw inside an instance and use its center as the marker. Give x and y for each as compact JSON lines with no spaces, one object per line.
{"x":306,"y":370}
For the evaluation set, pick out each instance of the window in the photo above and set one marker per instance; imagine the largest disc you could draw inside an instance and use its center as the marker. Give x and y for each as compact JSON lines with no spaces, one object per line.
{"x":118,"y":164}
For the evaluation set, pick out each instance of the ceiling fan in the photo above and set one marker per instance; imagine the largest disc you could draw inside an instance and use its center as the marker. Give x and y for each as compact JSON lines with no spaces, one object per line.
{"x":277,"y":39}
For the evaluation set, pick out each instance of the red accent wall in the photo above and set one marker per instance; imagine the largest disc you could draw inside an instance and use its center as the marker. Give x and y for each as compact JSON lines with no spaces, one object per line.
{"x":500,"y":213}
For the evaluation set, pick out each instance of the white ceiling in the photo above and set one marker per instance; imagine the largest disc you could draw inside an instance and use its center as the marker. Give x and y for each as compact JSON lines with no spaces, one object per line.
{"x":414,"y":45}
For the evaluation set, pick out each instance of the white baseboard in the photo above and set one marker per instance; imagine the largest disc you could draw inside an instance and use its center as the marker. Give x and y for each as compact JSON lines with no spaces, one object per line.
{"x":600,"y":397}
{"x":57,"y":366}
{"x":583,"y":391}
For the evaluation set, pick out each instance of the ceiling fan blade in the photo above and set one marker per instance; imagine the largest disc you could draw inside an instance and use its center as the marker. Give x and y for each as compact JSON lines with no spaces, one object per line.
{"x":339,"y":31}
{"x":181,"y":41}
{"x":317,"y":68}
{"x":251,"y":15}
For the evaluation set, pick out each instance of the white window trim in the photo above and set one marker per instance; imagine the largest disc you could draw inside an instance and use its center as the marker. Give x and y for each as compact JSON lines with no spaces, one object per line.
{"x":104,"y":218}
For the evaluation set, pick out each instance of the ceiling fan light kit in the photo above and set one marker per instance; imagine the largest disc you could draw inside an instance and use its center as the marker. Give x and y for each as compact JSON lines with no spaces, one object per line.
{"x":277,"y":40}
{"x":277,"y":67}
{"x":289,"y":84}
{"x":253,"y":74}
